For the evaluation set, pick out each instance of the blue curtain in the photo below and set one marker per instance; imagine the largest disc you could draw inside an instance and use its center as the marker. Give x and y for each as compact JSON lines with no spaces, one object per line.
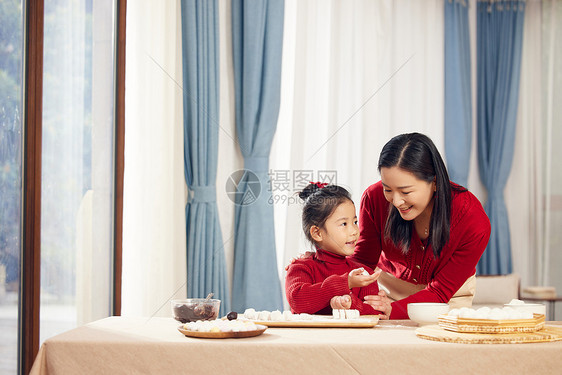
{"x":206,"y":271}
{"x":458,"y":106}
{"x":257,"y":40}
{"x":499,"y":43}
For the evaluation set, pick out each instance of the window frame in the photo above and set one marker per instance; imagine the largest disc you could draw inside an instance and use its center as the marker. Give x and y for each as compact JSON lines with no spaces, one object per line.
{"x":32,"y":92}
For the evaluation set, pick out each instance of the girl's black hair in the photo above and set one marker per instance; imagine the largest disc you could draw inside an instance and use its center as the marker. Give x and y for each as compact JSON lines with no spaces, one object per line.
{"x":319,"y":204}
{"x":416,"y":153}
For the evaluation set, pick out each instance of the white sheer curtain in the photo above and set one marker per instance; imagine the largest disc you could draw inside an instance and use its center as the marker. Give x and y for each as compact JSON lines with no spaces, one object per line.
{"x":533,"y":193}
{"x":551,"y":193}
{"x":522,"y":193}
{"x":552,"y":137}
{"x":154,"y":262}
{"x":354,"y":75}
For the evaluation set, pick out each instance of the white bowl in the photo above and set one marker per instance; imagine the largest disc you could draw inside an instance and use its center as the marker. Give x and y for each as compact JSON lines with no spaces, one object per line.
{"x":426,"y":312}
{"x":535,"y":308}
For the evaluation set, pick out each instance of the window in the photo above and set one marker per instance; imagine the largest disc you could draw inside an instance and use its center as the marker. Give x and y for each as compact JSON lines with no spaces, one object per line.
{"x":65,"y":70}
{"x":77,"y":164}
{"x":11,"y":26}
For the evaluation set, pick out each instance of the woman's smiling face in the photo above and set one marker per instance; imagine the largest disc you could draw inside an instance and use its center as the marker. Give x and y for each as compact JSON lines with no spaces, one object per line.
{"x":410,"y":195}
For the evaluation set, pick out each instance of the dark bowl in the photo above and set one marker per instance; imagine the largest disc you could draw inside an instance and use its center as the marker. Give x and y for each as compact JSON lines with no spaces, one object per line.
{"x":193,"y":309}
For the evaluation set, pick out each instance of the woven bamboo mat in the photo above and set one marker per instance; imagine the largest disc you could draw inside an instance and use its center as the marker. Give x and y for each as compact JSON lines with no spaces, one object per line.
{"x":436,"y":333}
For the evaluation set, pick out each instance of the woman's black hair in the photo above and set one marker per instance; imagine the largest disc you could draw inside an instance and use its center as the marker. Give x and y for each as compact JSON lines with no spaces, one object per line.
{"x":319,"y":204}
{"x":416,"y":153}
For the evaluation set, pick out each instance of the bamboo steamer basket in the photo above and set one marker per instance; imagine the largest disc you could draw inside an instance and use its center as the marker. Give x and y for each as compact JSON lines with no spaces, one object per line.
{"x":467,"y":325}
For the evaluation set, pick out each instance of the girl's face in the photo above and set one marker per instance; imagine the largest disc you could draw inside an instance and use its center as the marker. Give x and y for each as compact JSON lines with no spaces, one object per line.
{"x":411,"y":196}
{"x":340,"y":231}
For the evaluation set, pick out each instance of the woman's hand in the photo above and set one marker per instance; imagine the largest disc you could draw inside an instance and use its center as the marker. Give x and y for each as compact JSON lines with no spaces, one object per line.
{"x":380,"y":302}
{"x":358,"y":278}
{"x":341,"y":302}
{"x":307,"y":254}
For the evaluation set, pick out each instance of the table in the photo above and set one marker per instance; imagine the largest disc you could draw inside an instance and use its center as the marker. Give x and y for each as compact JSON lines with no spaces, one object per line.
{"x":125,"y":345}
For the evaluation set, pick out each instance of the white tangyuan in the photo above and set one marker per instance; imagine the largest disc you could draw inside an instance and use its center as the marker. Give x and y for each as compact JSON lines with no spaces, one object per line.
{"x":250,"y":314}
{"x":264,"y":315}
{"x":454,"y":312}
{"x":276,"y":316}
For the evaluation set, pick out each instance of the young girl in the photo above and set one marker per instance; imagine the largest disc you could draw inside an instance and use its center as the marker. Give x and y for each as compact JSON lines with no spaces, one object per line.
{"x":329,"y":278}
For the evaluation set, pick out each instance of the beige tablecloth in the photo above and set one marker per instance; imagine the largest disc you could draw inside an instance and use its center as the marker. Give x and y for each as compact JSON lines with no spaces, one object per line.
{"x":121,"y":345}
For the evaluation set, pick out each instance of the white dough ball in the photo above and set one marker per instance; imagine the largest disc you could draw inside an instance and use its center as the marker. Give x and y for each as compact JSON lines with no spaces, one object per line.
{"x":264,"y":315}
{"x":516,"y":314}
{"x":484,"y":310}
{"x":508,"y":309}
{"x":276,"y":316}
{"x":287,"y":315}
{"x":454,"y":312}
{"x":480,"y":315}
{"x":498,"y":314}
{"x":516,"y":301}
{"x":465,"y":312}
{"x":250,"y":314}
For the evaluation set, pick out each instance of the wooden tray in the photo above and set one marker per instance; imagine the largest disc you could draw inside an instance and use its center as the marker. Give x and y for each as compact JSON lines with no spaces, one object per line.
{"x":223,"y":335}
{"x":456,"y":324}
{"x":323,"y":321}
{"x":436,"y":333}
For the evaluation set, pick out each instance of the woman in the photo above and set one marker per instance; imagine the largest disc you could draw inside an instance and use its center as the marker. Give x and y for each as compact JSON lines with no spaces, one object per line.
{"x":425,"y":232}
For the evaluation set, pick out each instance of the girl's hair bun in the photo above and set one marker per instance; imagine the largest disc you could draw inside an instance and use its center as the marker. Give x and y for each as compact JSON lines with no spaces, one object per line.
{"x":310,"y":189}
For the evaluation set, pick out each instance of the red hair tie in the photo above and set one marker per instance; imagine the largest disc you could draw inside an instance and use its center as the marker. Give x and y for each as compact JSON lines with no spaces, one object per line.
{"x":320,"y":185}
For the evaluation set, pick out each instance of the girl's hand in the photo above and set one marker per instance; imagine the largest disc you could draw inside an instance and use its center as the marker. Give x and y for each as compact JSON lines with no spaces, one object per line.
{"x":380,"y":302}
{"x":359,"y":278}
{"x":307,"y":254}
{"x":341,"y":302}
